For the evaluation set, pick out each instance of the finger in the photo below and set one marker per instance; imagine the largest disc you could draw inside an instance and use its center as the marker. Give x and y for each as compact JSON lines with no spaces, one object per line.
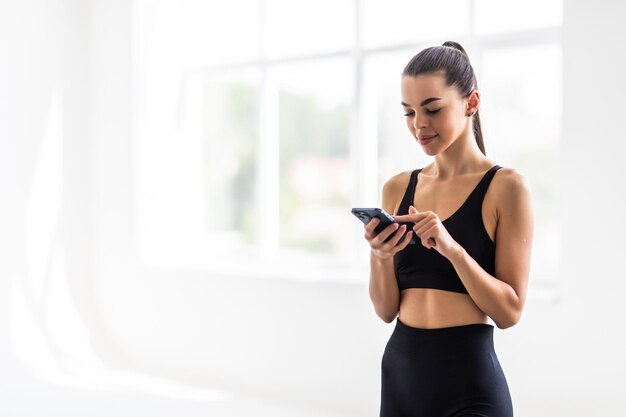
{"x":371,"y":234}
{"x":421,"y":227}
{"x":428,"y":237}
{"x":396,"y":243}
{"x":425,"y":243}
{"x":371,"y":225}
{"x":403,"y":243}
{"x":409,"y":225}
{"x":369,"y":229}
{"x":398,"y":236}
{"x":387,"y":231}
{"x":409,"y":217}
{"x":420,"y":231}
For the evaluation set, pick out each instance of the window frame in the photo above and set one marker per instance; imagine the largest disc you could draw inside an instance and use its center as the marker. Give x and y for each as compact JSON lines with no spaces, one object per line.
{"x":362,"y":153}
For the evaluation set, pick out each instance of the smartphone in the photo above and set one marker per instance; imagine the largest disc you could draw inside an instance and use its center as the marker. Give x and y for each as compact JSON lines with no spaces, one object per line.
{"x":366,"y":214}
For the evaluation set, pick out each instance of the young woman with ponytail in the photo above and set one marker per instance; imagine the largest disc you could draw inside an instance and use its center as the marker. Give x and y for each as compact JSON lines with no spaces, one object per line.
{"x":473,"y":222}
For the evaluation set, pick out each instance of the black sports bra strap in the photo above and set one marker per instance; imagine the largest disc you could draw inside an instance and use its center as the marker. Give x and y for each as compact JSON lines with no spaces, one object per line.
{"x":408,"y":194}
{"x":481,"y":188}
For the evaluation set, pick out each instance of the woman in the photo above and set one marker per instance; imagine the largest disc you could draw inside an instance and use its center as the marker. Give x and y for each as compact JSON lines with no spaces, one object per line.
{"x":473,"y":226}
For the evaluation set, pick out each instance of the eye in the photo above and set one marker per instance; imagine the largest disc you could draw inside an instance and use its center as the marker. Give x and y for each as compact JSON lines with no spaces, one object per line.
{"x":427,"y":112}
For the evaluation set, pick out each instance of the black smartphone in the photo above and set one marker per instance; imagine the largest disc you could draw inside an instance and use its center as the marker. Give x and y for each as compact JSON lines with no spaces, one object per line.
{"x":366,"y":214}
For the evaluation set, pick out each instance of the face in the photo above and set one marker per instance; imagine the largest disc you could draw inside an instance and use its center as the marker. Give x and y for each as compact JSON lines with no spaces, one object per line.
{"x":436,"y":114}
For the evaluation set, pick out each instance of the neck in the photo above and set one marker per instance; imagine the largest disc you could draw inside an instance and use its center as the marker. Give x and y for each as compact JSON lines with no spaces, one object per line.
{"x":463,"y":157}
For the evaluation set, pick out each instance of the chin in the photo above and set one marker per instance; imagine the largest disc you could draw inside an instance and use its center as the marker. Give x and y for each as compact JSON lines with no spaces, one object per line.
{"x":432,"y":148}
{"x":429,"y":151}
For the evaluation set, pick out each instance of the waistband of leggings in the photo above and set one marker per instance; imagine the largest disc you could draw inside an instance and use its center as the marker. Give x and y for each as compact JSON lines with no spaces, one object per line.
{"x":468,"y":338}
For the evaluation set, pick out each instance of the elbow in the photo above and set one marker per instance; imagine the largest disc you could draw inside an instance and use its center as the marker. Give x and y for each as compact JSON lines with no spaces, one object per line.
{"x":509,"y":321}
{"x":505,"y":325}
{"x":512,"y":315}
{"x":387,"y":312}
{"x":390,"y":319}
{"x":387,"y":317}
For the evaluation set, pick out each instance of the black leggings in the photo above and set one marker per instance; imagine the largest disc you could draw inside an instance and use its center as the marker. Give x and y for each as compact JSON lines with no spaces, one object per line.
{"x":443,"y":372}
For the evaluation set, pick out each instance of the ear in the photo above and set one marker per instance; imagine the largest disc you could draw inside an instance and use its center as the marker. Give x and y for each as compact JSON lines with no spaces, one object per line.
{"x":472,"y":101}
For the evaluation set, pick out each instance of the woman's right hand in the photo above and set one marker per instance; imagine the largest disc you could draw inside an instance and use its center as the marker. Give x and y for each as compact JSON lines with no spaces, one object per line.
{"x":382,"y":249}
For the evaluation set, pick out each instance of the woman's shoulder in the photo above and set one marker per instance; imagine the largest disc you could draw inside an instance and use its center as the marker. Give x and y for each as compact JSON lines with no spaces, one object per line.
{"x":394,"y":189}
{"x":507,"y":177}
{"x":398,"y":182}
{"x":508,"y":184}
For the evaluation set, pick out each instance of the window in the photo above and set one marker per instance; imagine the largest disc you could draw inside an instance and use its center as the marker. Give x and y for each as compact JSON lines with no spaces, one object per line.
{"x":259,"y":124}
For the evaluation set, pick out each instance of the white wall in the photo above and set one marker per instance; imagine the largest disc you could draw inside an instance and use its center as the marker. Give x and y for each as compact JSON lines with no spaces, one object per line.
{"x":43,"y":74}
{"x":320,"y":344}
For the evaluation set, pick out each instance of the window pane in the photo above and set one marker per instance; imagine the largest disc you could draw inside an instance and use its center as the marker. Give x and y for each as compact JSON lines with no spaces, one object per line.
{"x":299,"y":28}
{"x":314,"y":162}
{"x":521,"y":112}
{"x":405,"y":21}
{"x":195,"y":166}
{"x":494,"y":16}
{"x":231,"y":110}
{"x":221,"y":32}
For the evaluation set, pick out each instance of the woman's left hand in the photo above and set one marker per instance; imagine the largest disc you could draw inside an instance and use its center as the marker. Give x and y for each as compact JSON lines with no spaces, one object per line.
{"x":431,"y":231}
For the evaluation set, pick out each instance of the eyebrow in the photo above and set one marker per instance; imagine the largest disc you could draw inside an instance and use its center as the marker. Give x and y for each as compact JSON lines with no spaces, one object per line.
{"x":423,"y":103}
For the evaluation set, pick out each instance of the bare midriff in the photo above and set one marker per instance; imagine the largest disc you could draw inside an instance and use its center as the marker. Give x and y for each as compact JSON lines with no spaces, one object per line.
{"x":430,"y":308}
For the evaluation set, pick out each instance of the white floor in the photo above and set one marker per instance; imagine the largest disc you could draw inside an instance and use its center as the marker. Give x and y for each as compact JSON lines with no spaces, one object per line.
{"x":21,"y":395}
{"x":49,"y":402}
{"x":26,"y":393}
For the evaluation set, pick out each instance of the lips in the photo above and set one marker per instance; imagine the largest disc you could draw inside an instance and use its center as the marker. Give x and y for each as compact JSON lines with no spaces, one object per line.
{"x":426,"y":139}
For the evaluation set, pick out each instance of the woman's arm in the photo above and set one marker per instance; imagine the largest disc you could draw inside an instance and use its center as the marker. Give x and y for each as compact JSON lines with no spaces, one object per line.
{"x":383,"y":286}
{"x":503,"y":298}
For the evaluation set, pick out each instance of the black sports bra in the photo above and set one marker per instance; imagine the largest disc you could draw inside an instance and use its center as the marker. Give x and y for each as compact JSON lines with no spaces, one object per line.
{"x":420,"y":267}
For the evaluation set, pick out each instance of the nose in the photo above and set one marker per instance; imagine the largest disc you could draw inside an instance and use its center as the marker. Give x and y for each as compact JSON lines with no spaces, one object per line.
{"x":419,"y":122}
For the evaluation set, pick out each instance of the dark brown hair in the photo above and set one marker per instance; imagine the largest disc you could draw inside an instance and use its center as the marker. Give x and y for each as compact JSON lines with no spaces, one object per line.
{"x":452,"y":59}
